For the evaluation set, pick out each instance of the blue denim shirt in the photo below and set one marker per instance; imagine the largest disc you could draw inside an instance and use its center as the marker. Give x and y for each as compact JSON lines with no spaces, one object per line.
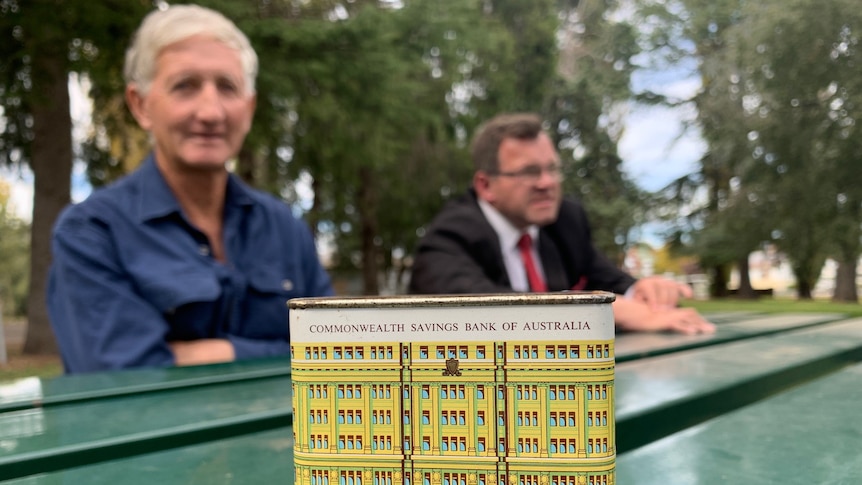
{"x":130,"y":274}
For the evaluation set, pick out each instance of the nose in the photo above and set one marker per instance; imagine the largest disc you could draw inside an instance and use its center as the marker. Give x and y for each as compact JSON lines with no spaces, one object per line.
{"x":210,"y":104}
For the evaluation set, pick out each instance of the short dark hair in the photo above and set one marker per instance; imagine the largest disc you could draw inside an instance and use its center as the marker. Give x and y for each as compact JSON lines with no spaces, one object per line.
{"x":489,"y":136}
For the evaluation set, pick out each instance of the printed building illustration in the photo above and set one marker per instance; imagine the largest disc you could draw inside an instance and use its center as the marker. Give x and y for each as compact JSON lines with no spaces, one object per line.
{"x":443,"y":412}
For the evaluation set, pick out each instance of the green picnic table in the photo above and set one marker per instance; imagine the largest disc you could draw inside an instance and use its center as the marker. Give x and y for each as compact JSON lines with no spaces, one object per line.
{"x":767,"y":399}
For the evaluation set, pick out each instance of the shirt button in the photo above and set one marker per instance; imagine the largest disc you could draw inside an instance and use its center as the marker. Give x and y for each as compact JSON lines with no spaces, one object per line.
{"x":204,"y":250}
{"x":287,"y":285}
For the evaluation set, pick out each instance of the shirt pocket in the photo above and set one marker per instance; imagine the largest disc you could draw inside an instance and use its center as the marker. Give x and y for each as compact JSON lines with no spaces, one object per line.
{"x":266,"y":303}
{"x":172,"y":291}
{"x":270,"y":283}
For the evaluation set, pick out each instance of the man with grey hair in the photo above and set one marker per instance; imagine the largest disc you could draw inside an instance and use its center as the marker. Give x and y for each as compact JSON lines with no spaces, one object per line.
{"x":514,"y":231}
{"x":181,"y":263}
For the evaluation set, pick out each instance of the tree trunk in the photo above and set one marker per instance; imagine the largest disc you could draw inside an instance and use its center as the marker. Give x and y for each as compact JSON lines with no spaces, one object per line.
{"x":803,"y":288}
{"x":368,"y":220}
{"x":51,"y":161}
{"x":807,"y":271}
{"x":313,"y":216}
{"x":718,"y":285}
{"x":745,"y":290}
{"x":845,"y":282}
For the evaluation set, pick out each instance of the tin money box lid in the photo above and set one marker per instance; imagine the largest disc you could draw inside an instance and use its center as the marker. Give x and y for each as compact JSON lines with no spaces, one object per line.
{"x":470,"y":317}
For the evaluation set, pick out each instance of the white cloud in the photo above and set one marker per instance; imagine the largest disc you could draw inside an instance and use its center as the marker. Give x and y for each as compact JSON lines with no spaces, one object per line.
{"x":684,"y":88}
{"x":656,"y":149}
{"x":656,"y":146}
{"x":80,"y":106}
{"x":677,"y":83}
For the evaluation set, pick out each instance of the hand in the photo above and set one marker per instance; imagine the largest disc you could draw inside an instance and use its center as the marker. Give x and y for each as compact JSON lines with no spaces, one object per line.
{"x":636,"y":316}
{"x":203,"y":351}
{"x":659,"y":293}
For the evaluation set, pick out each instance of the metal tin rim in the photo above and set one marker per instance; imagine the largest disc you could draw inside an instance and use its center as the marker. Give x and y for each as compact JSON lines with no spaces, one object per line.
{"x":462,"y":300}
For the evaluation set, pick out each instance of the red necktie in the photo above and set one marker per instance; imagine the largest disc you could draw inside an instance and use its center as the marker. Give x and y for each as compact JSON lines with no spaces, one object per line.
{"x":536,"y":282}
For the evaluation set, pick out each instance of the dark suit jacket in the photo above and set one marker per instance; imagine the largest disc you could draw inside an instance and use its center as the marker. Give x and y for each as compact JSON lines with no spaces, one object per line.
{"x":460,"y":253}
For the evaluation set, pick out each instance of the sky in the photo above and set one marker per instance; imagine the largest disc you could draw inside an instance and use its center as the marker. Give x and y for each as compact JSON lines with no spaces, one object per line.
{"x":655,"y":147}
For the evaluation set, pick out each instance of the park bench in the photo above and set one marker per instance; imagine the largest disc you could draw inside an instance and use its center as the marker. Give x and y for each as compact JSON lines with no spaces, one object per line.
{"x":809,"y":434}
{"x":86,"y":387}
{"x":662,"y":395}
{"x":73,"y":431}
{"x":631,"y":346}
{"x":231,"y":423}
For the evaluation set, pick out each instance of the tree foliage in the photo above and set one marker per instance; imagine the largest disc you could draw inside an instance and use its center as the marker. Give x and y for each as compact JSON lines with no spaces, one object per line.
{"x":778,"y":109}
{"x":585,"y":107}
{"x":14,"y":257}
{"x":364,"y":109}
{"x":803,"y":96}
{"x":690,"y":33}
{"x":45,"y":40}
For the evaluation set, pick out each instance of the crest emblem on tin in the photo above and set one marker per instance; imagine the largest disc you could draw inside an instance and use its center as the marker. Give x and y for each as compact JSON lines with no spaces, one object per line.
{"x":452,"y":368}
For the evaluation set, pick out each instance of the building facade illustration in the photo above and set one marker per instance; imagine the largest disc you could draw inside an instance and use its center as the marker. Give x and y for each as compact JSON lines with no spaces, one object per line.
{"x":447,"y":412}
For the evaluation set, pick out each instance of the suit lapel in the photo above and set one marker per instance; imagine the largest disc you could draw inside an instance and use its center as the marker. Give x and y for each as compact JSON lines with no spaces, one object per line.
{"x":484,"y":243}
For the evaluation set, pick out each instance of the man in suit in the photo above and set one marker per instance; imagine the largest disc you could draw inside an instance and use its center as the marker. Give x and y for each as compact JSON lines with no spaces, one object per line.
{"x":514,"y":231}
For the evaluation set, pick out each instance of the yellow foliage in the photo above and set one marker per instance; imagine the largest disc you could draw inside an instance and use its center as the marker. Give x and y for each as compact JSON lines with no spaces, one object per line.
{"x":130,"y":144}
{"x":5,"y":193}
{"x":5,"y":196}
{"x":665,"y":262}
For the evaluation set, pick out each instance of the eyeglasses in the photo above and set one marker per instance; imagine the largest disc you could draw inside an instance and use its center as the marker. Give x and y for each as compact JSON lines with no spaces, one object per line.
{"x":533,"y":173}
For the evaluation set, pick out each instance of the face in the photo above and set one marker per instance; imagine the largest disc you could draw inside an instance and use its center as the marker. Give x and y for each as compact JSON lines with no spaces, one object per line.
{"x":522,"y":199}
{"x":198,"y":110}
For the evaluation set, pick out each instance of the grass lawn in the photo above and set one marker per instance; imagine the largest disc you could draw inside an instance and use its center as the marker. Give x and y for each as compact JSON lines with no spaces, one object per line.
{"x":18,"y":365}
{"x":775,"y":305}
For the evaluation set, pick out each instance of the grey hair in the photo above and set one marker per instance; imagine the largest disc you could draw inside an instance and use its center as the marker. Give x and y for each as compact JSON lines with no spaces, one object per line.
{"x":161,"y":28}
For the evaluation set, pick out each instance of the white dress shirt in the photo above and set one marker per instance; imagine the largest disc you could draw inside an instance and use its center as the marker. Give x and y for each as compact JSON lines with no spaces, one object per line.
{"x":509,"y":236}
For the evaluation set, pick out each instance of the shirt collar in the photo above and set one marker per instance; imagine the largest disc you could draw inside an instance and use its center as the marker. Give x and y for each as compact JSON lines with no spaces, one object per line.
{"x":156,"y":199}
{"x":506,"y":231}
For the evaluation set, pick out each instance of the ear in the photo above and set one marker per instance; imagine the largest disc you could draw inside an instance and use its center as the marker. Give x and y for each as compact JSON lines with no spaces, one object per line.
{"x":482,"y":185}
{"x":252,"y":106}
{"x":137,"y":103}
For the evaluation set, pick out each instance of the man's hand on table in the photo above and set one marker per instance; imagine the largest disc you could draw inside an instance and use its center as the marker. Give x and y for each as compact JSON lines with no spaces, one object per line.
{"x":635,"y":315}
{"x":659,"y":293}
